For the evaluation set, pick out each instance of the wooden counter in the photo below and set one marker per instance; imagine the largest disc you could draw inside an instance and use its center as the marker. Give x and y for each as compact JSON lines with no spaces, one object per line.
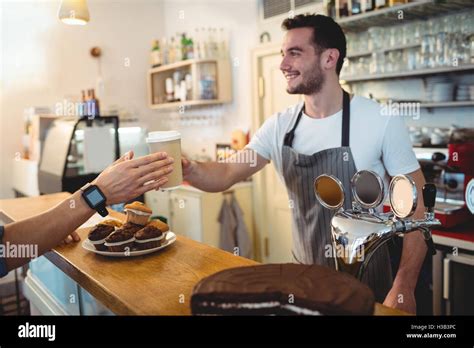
{"x":157,"y":284}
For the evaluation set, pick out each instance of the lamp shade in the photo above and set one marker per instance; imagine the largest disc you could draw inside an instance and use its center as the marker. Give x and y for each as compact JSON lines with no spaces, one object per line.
{"x":74,"y":12}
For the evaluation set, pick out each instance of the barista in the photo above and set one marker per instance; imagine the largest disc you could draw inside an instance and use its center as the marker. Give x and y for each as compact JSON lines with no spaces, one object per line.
{"x":329,"y":133}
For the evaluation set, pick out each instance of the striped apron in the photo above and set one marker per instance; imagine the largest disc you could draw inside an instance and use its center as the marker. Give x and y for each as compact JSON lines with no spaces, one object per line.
{"x":312,"y":241}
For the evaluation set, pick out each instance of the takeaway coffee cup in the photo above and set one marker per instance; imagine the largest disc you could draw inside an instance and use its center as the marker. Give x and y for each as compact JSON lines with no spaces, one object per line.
{"x":169,"y":142}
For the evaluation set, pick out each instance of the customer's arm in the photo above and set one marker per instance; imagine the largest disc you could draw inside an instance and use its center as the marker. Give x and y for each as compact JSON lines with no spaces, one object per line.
{"x":120,"y":182}
{"x":219,"y":176}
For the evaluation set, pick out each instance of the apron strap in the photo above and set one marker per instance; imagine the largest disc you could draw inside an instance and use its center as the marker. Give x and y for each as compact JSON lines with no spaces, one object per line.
{"x":288,"y":141}
{"x":346,"y":113}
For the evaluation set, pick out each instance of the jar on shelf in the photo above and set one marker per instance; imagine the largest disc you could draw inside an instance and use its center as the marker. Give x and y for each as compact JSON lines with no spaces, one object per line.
{"x":377,"y":63}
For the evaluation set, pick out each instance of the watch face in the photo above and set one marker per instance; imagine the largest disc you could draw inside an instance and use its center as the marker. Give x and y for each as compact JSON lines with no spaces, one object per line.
{"x":94,"y":197}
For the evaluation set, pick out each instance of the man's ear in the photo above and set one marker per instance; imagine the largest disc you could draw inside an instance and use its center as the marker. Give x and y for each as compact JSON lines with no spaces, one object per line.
{"x":329,"y":58}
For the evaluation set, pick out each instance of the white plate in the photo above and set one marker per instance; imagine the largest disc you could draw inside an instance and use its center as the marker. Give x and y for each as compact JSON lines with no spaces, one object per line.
{"x":170,"y":239}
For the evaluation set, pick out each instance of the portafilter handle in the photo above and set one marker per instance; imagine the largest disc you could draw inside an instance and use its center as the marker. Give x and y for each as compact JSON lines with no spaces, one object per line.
{"x":429,"y":199}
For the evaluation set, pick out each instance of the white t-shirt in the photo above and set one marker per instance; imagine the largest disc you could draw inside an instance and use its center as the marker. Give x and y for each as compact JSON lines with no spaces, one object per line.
{"x":379,"y":143}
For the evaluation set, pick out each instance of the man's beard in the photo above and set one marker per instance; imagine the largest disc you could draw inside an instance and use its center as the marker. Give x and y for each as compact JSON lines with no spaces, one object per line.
{"x":312,"y":84}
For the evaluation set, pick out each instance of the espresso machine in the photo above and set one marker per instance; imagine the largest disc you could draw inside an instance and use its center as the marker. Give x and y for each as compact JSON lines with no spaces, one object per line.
{"x":358,"y":232}
{"x":451,"y":172}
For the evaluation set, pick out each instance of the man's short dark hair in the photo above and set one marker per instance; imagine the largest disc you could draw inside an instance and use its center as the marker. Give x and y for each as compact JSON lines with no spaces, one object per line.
{"x":326,"y":33}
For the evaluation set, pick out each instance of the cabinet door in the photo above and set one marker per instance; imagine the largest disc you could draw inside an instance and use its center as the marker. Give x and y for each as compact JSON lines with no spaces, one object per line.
{"x":159,"y":203}
{"x":186,"y":215}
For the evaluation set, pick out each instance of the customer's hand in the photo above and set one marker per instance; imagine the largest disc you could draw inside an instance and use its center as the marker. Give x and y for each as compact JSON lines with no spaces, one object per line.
{"x":128,"y":178}
{"x":73,"y":237}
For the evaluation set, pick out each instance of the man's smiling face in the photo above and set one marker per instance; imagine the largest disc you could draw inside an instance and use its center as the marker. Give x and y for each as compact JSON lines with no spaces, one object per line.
{"x":301,"y":62}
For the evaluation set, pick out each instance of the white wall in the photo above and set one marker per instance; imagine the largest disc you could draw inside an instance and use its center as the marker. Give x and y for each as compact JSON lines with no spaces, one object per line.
{"x":43,"y":60}
{"x":240,"y":18}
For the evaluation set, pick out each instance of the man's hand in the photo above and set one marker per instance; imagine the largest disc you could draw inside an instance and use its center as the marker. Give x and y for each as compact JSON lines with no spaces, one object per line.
{"x":188,"y":168}
{"x":128,"y":178}
{"x":402,"y":298}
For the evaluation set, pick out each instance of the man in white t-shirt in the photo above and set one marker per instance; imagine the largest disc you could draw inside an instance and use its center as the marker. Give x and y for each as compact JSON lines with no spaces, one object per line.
{"x":328,"y":133}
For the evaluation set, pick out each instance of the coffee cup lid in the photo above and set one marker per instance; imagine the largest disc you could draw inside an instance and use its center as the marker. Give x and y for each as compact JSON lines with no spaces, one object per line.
{"x":155,"y":137}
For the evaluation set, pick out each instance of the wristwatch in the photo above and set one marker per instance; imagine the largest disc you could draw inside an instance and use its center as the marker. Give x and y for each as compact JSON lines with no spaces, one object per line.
{"x":95,"y":198}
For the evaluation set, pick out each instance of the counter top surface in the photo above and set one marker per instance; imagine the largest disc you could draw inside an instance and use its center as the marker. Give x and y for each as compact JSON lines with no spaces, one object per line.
{"x":156,"y":284}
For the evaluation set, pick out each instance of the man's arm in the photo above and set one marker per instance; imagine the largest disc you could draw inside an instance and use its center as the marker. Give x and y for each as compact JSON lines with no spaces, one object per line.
{"x":402,"y":295}
{"x":217,"y":176}
{"x":120,"y":182}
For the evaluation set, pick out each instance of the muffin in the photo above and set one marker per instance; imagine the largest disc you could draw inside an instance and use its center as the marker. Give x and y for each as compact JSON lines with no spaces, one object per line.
{"x":137,"y":213}
{"x":122,"y":238}
{"x":112,"y":222}
{"x":98,"y":235}
{"x":160,"y":225}
{"x":149,"y":237}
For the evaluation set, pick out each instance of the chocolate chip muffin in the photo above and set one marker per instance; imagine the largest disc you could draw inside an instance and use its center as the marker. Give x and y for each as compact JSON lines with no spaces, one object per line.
{"x":98,"y":234}
{"x":122,"y":238}
{"x":149,"y":237}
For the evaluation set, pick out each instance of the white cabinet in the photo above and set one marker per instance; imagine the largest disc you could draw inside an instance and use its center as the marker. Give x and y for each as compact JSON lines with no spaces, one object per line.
{"x":159,"y":202}
{"x":194,"y":214}
{"x":186,"y":214}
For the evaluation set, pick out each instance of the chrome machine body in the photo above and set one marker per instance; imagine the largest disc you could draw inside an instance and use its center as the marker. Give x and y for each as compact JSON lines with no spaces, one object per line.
{"x":357,"y":233}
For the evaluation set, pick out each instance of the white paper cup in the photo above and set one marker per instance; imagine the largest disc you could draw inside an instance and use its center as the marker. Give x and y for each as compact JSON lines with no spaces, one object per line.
{"x":169,"y":142}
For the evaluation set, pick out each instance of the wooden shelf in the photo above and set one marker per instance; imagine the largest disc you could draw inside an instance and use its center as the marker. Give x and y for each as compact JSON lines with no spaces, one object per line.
{"x":388,"y":49}
{"x":420,"y":9}
{"x":177,"y":105}
{"x":180,"y":64}
{"x":405,"y":74}
{"x":450,"y":104}
{"x":219,"y":69}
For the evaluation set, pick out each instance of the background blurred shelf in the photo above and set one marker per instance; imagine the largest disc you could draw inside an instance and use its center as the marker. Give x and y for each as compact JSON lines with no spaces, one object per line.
{"x":421,"y":9}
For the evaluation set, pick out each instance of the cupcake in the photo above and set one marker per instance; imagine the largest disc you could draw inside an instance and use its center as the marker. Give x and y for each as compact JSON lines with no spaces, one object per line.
{"x":137,"y":213}
{"x":149,"y":237}
{"x":122,"y":238}
{"x":98,"y":235}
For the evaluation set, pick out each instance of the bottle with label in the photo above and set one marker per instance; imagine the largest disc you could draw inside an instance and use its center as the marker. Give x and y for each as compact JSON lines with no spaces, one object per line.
{"x":95,"y":110}
{"x":330,"y":8}
{"x":189,"y":83}
{"x":380,"y":3}
{"x":155,"y":56}
{"x":169,"y":89}
{"x":171,"y":51}
{"x":356,"y":7}
{"x":190,"y":48}
{"x":178,"y":51}
{"x":197,"y":44}
{"x":183,"y":93}
{"x":183,"y":46}
{"x":164,"y":51}
{"x":187,"y":47}
{"x":342,"y":8}
{"x":212,"y":44}
{"x":367,"y":5}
